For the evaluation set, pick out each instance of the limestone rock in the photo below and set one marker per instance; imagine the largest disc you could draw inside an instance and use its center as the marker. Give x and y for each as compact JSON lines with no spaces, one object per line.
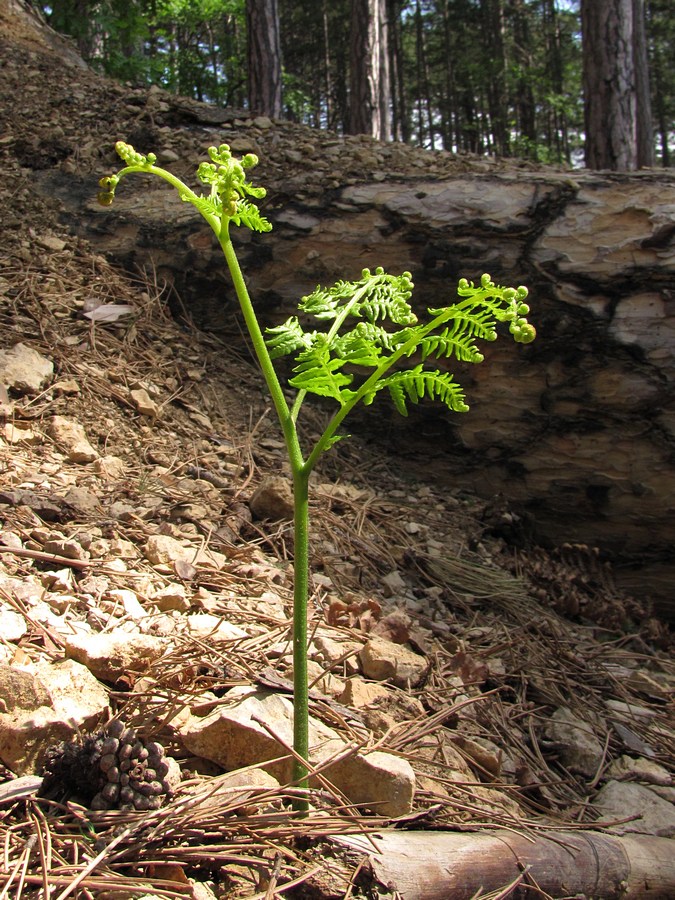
{"x":272,"y":499}
{"x":72,"y":439}
{"x":234,"y":737}
{"x":377,"y":781}
{"x":12,"y":625}
{"x":621,"y":799}
{"x":384,"y":661}
{"x":109,"y":656}
{"x":164,"y":550}
{"x":580,"y":749}
{"x":240,"y":733}
{"x":34,"y":717}
{"x":625,"y":768}
{"x":24,"y":370}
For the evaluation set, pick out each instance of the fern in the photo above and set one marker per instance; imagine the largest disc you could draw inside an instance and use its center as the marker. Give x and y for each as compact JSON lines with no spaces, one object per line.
{"x":320,"y":374}
{"x":287,"y":338}
{"x":369,"y":324}
{"x":414,"y":384}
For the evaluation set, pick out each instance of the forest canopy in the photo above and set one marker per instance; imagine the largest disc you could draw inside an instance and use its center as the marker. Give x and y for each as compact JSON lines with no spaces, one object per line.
{"x":494,"y":77}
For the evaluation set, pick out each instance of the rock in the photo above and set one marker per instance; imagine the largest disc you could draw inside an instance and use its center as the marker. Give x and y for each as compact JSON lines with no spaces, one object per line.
{"x":359,"y":693}
{"x":625,"y":768}
{"x":20,"y":433}
{"x":377,"y":781}
{"x":128,"y":602}
{"x":272,"y":499}
{"x":164,"y":550}
{"x":112,"y":468}
{"x":173,"y":596}
{"x":12,"y":625}
{"x":214,"y":629}
{"x":113,"y":654}
{"x":234,"y":737}
{"x":341,"y":657}
{"x":383,"y":661}
{"x":621,"y":799}
{"x":144,"y":404}
{"x":72,"y":439}
{"x":24,"y":370}
{"x":580,"y":750}
{"x":35,"y":717}
{"x":239,"y":733}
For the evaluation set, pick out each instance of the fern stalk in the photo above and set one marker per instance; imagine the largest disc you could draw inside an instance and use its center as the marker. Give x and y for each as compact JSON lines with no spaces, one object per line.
{"x":385,"y":332}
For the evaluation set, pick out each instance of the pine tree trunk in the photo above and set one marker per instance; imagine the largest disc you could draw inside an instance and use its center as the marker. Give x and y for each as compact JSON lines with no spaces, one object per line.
{"x":369,"y":70}
{"x":644,"y":125}
{"x":610,"y":111}
{"x":264,"y":57}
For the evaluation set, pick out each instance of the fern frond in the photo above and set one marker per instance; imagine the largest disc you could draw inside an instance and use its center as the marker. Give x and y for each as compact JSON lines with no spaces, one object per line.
{"x":325,"y":303}
{"x":287,"y":338}
{"x":458,"y":339}
{"x":363,"y":345}
{"x":414,"y":384}
{"x":386,"y":301}
{"x":209,"y":206}
{"x":248,"y":214}
{"x":320,"y":374}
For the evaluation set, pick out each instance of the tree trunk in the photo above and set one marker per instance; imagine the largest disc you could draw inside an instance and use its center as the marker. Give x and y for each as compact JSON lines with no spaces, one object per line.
{"x":264,"y":57}
{"x":610,"y":100}
{"x":436,"y":865}
{"x":495,"y":63}
{"x":644,"y":125}
{"x":369,"y":70}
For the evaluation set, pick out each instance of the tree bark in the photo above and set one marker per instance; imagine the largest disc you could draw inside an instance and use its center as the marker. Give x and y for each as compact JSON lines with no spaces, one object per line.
{"x":610,"y":99}
{"x":264,"y":57}
{"x":436,"y":865}
{"x":369,"y":70}
{"x":644,"y":124}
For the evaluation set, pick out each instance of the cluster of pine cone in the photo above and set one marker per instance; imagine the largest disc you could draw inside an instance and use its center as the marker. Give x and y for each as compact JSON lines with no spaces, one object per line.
{"x":112,"y":769}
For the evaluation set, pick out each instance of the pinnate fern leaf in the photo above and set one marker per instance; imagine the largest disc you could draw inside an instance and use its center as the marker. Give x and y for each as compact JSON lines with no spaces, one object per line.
{"x":318,"y":373}
{"x":414,"y":384}
{"x":288,"y":337}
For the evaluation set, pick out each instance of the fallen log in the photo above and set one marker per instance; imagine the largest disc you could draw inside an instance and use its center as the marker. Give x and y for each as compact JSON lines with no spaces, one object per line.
{"x":433,"y":865}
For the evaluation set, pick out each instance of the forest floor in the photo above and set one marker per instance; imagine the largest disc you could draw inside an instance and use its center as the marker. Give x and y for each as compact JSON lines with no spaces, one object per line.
{"x":541,"y":684}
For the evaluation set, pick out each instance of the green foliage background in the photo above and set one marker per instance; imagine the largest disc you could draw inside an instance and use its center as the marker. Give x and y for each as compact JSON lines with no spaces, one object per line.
{"x":457,"y":84}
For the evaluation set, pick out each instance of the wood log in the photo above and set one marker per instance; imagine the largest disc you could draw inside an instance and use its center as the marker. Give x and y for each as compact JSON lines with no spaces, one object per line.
{"x":434,"y":865}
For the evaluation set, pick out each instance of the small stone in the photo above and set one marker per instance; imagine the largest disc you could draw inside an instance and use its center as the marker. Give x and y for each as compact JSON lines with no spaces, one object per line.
{"x":581,"y":751}
{"x":273,"y":499}
{"x":383,"y":661}
{"x":72,"y":439}
{"x":24,"y":370}
{"x":49,"y":242}
{"x":144,"y":404}
{"x":167,"y":155}
{"x":20,"y":433}
{"x":109,"y":656}
{"x":112,"y":468}
{"x":129,"y":602}
{"x":378,"y":781}
{"x":622,"y":799}
{"x":173,"y":596}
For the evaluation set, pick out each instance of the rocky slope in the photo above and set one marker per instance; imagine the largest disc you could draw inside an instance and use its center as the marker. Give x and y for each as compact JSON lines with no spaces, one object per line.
{"x":145,"y":578}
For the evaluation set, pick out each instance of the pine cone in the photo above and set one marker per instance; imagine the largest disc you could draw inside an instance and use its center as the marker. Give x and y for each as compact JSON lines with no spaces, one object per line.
{"x":113,"y":769}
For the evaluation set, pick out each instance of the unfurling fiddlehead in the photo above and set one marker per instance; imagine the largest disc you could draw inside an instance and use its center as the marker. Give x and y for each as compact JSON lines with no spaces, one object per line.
{"x":366,"y":333}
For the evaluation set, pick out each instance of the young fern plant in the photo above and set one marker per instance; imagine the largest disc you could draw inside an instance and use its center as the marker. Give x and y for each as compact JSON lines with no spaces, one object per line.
{"x":366,"y":326}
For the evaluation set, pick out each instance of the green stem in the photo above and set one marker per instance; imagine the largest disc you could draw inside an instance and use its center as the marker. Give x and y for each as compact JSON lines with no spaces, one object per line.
{"x":301,"y":473}
{"x":300,"y":603}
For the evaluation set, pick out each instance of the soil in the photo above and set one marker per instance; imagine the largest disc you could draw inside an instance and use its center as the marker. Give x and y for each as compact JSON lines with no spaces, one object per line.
{"x":511,"y":632}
